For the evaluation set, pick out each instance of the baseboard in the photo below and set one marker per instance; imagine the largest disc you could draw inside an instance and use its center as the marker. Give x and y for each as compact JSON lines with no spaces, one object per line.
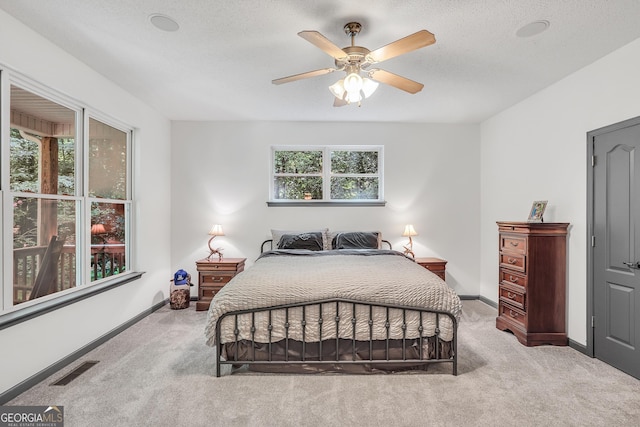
{"x":488,"y":301}
{"x":579,"y":347}
{"x":52,"y":369}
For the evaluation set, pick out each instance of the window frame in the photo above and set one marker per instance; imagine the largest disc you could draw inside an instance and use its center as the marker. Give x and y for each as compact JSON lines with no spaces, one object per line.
{"x":127,"y":201}
{"x":326,"y":176}
{"x":11,"y":313}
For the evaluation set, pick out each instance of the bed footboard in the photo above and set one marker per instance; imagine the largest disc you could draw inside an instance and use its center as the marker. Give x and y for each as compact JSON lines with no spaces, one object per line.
{"x":340,"y":315}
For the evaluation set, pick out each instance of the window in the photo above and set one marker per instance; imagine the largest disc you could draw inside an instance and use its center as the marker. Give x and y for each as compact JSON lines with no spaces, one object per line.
{"x":335,"y":174}
{"x":108,"y":148}
{"x":68,"y":195}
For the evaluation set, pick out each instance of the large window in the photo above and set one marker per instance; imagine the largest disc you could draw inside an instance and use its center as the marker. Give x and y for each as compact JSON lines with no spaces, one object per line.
{"x":66,"y":195}
{"x":327,"y":174}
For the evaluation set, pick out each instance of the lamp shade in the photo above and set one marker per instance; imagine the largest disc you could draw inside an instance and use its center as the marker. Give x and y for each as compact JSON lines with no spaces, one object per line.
{"x":98,"y":229}
{"x":409,"y":231}
{"x":337,"y":89}
{"x":216,"y":230}
{"x":368,"y":87}
{"x":353,"y":82}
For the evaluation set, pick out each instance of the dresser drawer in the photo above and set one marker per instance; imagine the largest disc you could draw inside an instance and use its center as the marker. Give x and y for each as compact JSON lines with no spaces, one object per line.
{"x":214,"y":279}
{"x":513,"y":261}
{"x":220,"y":266}
{"x":512,"y":313}
{"x":209,"y":292}
{"x":514,"y":295}
{"x":513,"y":244}
{"x":511,"y":277}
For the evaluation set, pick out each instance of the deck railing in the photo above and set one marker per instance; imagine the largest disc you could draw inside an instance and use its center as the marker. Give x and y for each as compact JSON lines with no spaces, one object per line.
{"x":106,"y":260}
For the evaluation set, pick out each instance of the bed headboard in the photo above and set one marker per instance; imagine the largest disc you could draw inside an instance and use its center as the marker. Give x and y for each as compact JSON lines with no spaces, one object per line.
{"x":269,"y":242}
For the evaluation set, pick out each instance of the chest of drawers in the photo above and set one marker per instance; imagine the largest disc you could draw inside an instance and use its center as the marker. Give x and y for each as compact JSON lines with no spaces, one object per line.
{"x":532,"y":281}
{"x":213,"y":275}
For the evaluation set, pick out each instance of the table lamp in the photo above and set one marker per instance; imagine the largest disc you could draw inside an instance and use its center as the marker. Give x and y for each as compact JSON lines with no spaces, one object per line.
{"x":409,"y":231}
{"x":216,"y":230}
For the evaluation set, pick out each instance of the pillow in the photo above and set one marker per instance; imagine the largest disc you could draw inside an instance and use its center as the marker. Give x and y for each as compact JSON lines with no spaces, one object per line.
{"x":310,"y":241}
{"x":357,"y":240}
{"x":276,"y":235}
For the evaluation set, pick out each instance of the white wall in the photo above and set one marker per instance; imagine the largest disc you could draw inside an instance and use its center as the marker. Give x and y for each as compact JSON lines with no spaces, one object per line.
{"x":537,"y":150}
{"x":431,"y":181}
{"x":32,"y":346}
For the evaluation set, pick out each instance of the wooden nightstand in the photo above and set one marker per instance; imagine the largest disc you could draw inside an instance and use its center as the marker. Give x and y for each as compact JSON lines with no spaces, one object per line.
{"x":435,"y":265}
{"x":213,"y":275}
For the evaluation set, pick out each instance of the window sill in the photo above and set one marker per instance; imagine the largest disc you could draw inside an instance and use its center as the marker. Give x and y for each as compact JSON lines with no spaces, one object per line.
{"x":296,"y":203}
{"x":20,"y":315}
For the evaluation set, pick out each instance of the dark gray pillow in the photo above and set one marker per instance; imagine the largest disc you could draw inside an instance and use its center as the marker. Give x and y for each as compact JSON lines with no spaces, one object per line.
{"x":356,"y":240}
{"x":310,"y":241}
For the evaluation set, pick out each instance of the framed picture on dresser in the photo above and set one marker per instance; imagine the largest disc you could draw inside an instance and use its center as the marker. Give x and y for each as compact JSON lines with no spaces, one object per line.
{"x":537,"y":210}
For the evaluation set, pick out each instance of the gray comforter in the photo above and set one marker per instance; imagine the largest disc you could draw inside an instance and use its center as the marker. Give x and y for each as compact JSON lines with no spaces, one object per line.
{"x":375,"y":276}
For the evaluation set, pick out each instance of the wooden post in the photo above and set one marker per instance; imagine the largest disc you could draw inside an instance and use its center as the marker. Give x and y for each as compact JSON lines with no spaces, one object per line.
{"x":49,"y":185}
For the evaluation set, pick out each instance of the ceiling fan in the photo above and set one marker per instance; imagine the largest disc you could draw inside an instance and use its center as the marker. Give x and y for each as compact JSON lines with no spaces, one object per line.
{"x":355,"y":60}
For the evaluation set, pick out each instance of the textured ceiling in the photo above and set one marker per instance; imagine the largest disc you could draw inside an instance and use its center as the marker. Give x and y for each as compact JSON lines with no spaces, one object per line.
{"x":220,"y":63}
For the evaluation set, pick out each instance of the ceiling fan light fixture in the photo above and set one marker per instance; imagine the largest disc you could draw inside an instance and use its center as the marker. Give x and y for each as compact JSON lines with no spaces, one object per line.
{"x":353,"y":97}
{"x":355,"y":60}
{"x":353,"y":83}
{"x":337,"y":89}
{"x":368,"y":87}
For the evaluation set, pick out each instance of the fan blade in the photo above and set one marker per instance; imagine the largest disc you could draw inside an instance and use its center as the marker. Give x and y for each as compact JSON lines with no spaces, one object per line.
{"x":414,"y":41}
{"x":323,"y":43}
{"x":301,"y":76}
{"x":396,"y":81}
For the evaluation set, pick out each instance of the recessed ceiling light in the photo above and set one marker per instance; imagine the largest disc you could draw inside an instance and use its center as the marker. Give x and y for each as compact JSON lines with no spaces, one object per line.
{"x":533,"y":28}
{"x":163,"y":22}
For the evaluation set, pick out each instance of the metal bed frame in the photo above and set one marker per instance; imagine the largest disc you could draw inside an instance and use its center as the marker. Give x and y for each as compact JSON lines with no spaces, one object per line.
{"x":341,"y":358}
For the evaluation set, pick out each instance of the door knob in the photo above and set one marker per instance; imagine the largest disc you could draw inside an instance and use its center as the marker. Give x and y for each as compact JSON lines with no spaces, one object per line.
{"x":631,"y":264}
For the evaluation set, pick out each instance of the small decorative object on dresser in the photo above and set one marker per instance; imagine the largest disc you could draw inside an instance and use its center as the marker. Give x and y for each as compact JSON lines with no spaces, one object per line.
{"x":537,"y":210}
{"x":435,"y":265}
{"x":213,"y":275}
{"x":532,"y":277}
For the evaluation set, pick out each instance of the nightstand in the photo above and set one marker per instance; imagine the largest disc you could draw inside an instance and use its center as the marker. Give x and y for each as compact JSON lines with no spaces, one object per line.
{"x":213,"y":275}
{"x":435,"y":265}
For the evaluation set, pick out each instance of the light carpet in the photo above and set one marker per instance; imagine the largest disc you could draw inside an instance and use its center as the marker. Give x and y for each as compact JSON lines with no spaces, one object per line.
{"x":159,"y":372}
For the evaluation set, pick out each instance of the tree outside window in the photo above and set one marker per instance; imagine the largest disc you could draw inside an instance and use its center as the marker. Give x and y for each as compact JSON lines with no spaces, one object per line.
{"x":329,"y":173}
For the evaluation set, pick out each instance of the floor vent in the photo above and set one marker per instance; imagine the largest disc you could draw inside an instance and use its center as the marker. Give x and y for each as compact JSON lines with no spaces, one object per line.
{"x":76,"y":372}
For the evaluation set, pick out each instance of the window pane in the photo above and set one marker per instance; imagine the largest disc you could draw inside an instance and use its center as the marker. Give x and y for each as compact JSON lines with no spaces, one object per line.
{"x":349,"y":188}
{"x":108,"y":239}
{"x":40,"y":268}
{"x":298,"y":162}
{"x":107,"y":161}
{"x":297,"y":188}
{"x":354,"y":162}
{"x":42,"y":158}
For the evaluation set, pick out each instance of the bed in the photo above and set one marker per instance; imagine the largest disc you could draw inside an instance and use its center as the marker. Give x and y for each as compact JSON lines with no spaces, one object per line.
{"x":336,"y":302}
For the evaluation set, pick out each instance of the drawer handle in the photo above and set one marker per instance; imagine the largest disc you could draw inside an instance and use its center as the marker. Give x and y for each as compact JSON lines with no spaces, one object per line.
{"x":512,"y":243}
{"x":513,"y":314}
{"x":511,"y":260}
{"x":511,"y":296}
{"x":513,"y":279}
{"x":217,"y":279}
